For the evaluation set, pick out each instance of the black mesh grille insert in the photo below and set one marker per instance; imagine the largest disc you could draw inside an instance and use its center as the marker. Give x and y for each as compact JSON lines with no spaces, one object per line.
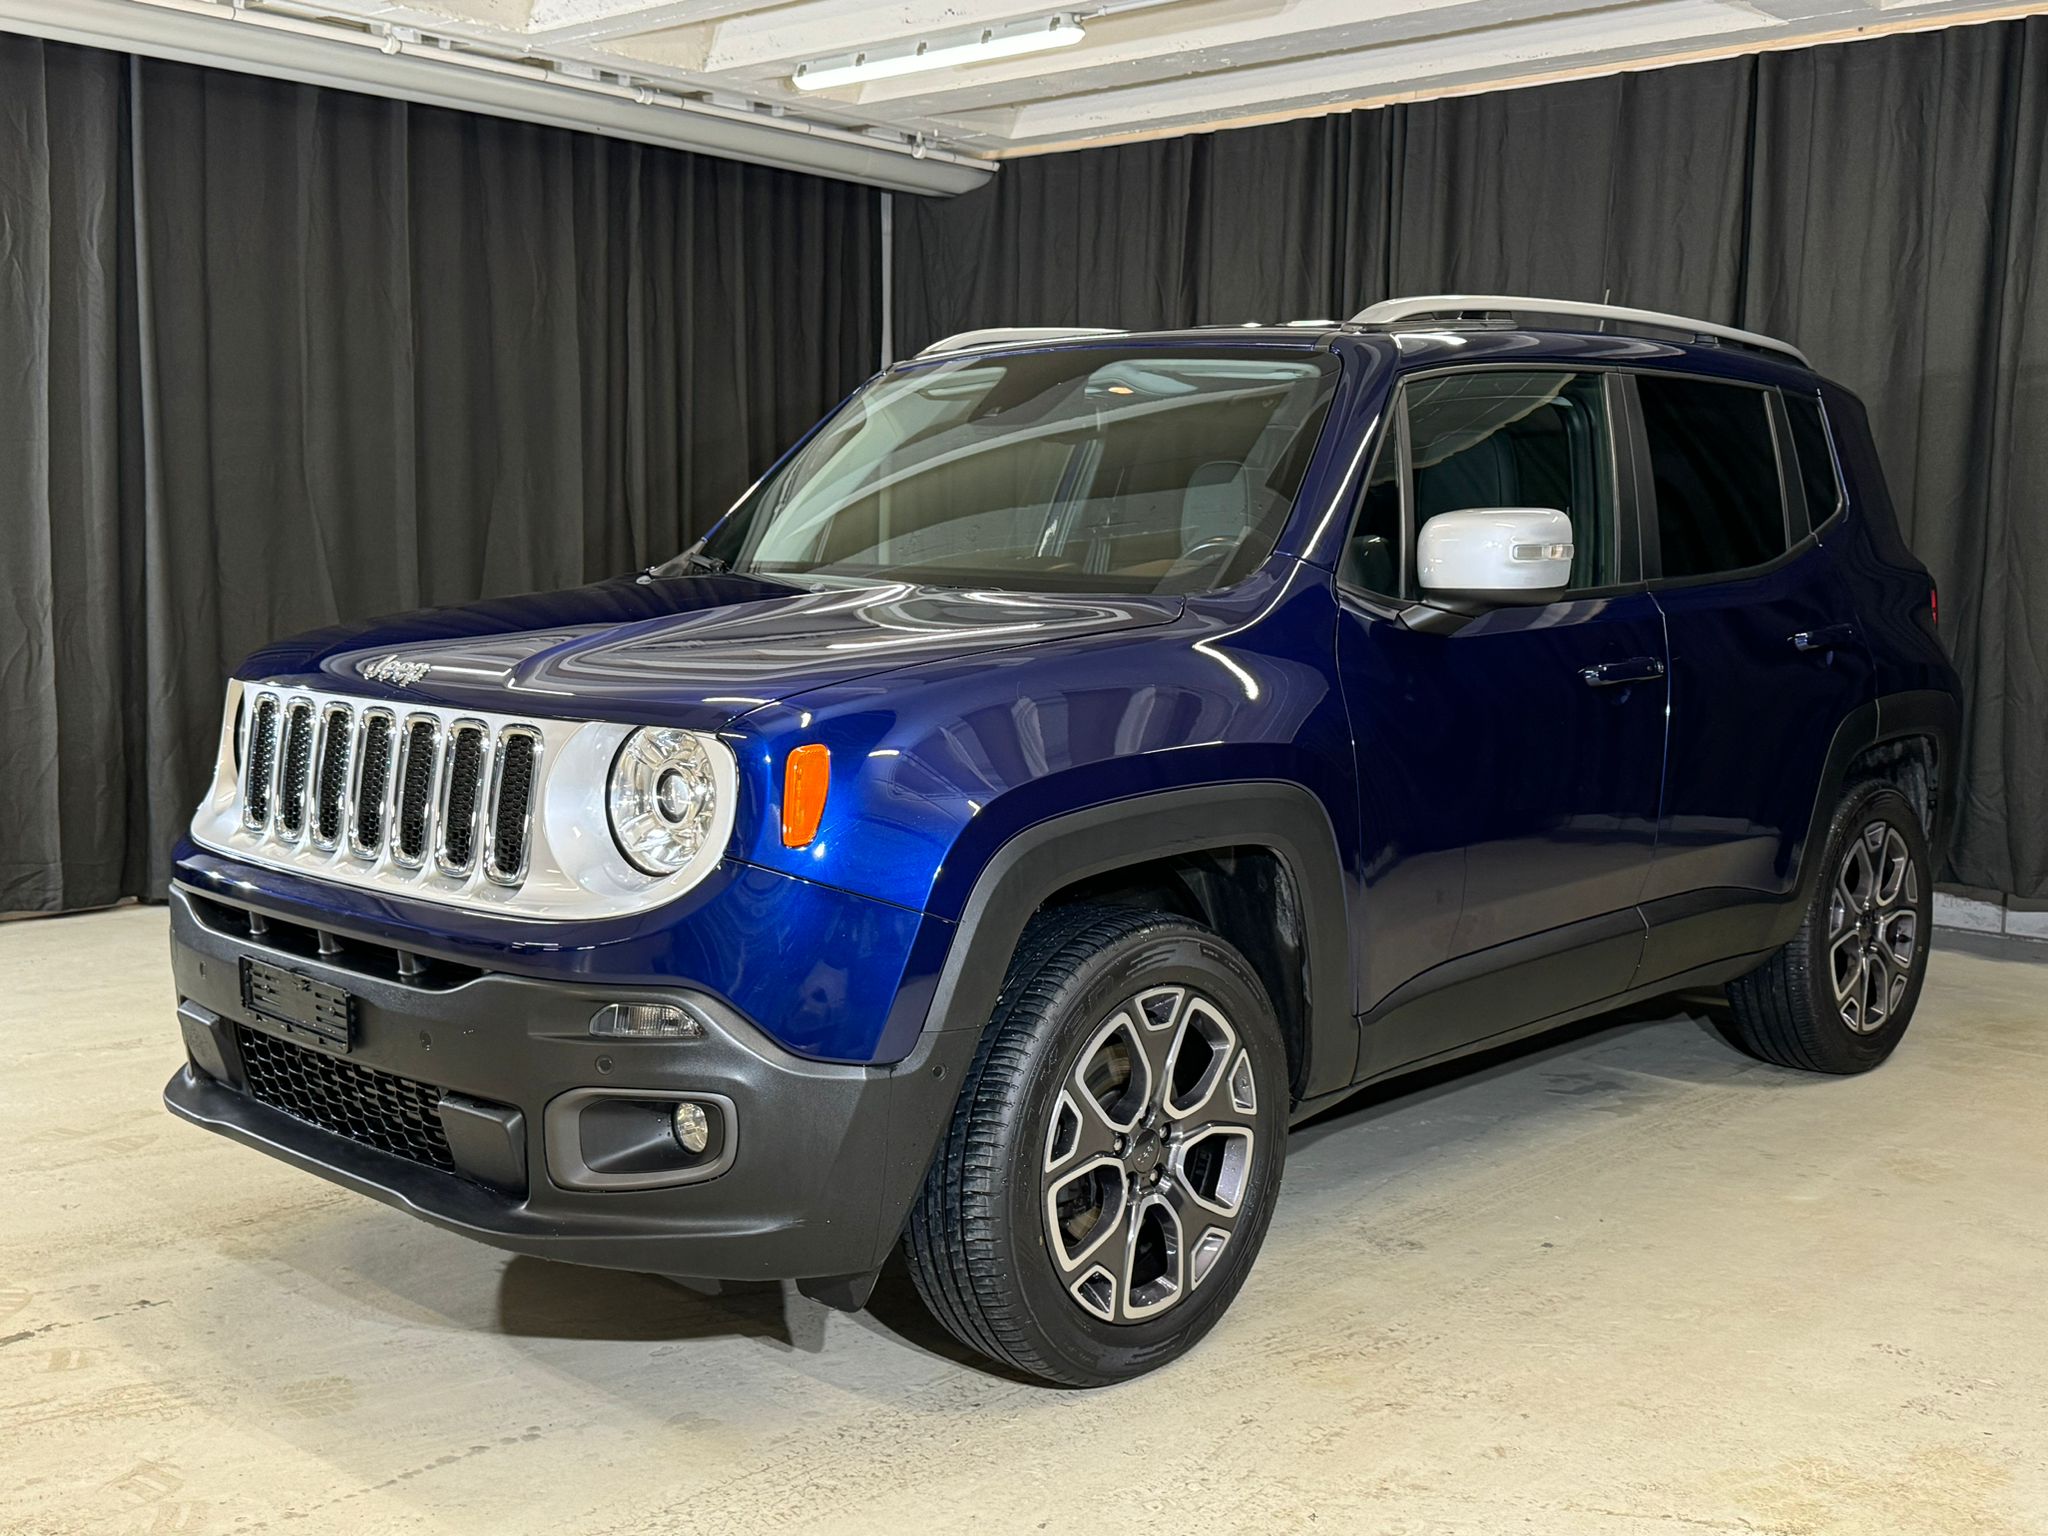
{"x":379,"y":1109}
{"x":298,"y":763}
{"x":330,"y":812}
{"x":515,"y":798}
{"x":374,"y":784}
{"x":465,"y":789}
{"x":262,"y":759}
{"x":416,"y":791}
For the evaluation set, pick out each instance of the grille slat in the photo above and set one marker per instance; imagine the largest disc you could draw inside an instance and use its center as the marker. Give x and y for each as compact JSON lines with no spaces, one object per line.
{"x":337,"y":750}
{"x":373,"y":783}
{"x":261,"y":763}
{"x":378,"y":1109}
{"x":295,"y":767}
{"x":419,"y":762}
{"x":512,"y":803}
{"x":462,"y":793}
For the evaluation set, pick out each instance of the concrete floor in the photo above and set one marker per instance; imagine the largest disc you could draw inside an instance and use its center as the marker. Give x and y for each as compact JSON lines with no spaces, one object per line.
{"x":1625,"y":1283}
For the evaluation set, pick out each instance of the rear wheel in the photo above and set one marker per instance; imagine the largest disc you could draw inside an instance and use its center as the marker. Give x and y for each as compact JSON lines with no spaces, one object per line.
{"x":1114,"y":1156}
{"x":1840,"y":995}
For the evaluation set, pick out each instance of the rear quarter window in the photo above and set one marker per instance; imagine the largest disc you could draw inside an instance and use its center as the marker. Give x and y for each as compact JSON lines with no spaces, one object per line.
{"x":1816,"y":455}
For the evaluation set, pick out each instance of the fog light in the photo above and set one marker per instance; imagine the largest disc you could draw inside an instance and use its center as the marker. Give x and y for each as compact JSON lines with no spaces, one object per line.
{"x":692,"y":1127}
{"x":646,"y":1021}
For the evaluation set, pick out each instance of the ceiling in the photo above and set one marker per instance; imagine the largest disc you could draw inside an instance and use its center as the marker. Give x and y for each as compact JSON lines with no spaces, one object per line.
{"x":1143,"y":67}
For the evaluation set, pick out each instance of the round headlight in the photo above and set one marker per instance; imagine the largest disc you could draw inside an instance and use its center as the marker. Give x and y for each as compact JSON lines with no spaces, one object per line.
{"x":662,"y":799}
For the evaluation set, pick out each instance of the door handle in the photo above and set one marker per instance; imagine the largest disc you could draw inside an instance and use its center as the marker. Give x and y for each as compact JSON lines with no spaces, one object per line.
{"x":1827,"y":638}
{"x":1637,"y":669}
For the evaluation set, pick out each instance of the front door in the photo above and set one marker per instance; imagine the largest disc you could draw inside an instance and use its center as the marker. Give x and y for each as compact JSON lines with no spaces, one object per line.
{"x":1509,"y":762}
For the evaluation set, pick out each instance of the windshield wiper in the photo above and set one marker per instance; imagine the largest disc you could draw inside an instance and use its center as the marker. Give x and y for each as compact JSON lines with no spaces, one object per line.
{"x":691,"y":562}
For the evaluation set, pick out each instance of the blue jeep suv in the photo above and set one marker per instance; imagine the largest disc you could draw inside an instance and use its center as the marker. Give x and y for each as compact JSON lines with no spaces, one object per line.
{"x":1083,"y":756}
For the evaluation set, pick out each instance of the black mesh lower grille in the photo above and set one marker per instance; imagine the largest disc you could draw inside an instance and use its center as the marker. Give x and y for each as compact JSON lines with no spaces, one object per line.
{"x":379,"y":1109}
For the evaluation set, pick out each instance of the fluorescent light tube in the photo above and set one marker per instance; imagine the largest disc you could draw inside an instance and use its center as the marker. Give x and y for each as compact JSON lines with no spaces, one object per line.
{"x":977,"y":48}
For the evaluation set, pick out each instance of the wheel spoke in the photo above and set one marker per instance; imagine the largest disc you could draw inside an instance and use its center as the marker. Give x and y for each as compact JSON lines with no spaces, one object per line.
{"x":1845,"y":963}
{"x":1850,"y":992}
{"x":1898,"y":938}
{"x":1154,"y":1275}
{"x":1895,"y":868}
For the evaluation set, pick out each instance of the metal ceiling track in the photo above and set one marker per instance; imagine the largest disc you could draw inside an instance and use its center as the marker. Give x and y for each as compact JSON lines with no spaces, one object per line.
{"x":397,"y":62}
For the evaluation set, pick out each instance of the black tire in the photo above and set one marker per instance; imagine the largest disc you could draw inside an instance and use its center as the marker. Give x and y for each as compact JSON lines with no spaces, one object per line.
{"x":981,"y":1237}
{"x":1791,"y":1010}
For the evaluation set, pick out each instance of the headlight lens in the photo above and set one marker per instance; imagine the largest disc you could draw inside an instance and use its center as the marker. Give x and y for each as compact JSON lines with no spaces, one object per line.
{"x":661,"y":799}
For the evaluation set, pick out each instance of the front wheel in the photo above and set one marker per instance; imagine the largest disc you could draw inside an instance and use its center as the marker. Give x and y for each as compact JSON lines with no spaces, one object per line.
{"x":1840,"y":995}
{"x":1113,"y":1160}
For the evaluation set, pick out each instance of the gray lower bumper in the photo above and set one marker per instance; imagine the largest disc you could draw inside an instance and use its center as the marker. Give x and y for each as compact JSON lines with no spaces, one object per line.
{"x":826,"y":1162}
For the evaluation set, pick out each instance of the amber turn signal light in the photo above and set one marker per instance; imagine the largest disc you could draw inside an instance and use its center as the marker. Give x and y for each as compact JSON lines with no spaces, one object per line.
{"x":806,"y":775}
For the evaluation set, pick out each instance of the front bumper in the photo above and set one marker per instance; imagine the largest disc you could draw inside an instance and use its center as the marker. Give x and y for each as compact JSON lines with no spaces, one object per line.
{"x":825,"y":1157}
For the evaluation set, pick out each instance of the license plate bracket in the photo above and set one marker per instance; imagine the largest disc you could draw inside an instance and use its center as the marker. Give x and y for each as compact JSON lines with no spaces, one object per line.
{"x":299,"y":1007}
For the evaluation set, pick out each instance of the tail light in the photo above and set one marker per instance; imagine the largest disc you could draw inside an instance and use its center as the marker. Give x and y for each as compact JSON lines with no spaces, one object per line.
{"x":1934,"y":605}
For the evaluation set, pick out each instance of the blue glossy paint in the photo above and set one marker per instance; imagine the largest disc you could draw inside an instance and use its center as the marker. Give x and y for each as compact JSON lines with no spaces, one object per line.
{"x":1479,"y":792}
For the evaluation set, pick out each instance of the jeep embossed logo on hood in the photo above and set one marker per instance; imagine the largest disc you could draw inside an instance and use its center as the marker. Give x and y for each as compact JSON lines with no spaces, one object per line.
{"x":389,"y":669}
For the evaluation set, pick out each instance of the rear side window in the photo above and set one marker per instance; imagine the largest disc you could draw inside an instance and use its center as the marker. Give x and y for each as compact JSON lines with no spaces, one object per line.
{"x":1720,"y":506}
{"x":1816,"y":459}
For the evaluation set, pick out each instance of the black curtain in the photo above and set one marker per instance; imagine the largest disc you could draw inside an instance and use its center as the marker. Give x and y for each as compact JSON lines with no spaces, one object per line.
{"x":273,"y":356}
{"x":1880,"y":202}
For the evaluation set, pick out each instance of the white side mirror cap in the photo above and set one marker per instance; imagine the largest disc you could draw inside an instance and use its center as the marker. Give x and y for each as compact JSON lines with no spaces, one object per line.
{"x":1496,"y":551}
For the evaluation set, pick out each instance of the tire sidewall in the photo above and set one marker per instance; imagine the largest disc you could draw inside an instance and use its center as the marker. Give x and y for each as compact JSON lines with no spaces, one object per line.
{"x":1169,"y":955}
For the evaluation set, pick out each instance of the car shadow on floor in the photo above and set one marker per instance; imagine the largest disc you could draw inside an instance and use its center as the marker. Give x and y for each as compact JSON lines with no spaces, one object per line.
{"x":542,"y":1299}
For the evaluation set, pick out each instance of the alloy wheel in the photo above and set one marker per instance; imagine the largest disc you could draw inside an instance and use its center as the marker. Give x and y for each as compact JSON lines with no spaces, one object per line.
{"x":1148,"y":1155}
{"x":1873,"y":927}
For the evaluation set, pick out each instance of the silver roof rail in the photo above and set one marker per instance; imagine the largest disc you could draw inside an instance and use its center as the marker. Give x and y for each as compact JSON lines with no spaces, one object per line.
{"x":1013,"y":336}
{"x":1446,"y":306}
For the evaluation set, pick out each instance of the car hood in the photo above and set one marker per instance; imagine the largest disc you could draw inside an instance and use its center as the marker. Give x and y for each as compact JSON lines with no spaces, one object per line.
{"x":690,"y":650}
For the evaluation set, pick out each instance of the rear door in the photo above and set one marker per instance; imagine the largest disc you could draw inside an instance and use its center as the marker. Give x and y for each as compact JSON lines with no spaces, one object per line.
{"x":1766,"y":657}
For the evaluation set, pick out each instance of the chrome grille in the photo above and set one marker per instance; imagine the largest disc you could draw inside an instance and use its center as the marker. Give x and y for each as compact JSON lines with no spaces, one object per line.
{"x":294,"y":768}
{"x":260,"y":763}
{"x":327,"y":774}
{"x":373,"y":783}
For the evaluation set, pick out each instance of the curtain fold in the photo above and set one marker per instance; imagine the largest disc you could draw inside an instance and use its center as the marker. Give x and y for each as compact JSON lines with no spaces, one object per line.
{"x":1884,"y":203}
{"x":273,"y":356}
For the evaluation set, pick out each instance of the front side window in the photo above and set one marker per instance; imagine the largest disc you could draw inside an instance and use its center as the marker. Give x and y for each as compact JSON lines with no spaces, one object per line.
{"x":1088,"y":469}
{"x":1720,"y":506}
{"x":1486,"y":439}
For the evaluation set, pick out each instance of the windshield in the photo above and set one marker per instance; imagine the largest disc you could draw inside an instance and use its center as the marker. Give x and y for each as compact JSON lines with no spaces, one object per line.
{"x":1078,"y":470}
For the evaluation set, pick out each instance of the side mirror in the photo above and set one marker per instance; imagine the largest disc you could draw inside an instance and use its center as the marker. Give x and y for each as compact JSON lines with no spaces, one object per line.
{"x":1504,"y":554}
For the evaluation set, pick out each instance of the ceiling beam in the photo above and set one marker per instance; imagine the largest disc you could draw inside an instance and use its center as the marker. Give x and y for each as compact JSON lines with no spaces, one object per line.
{"x":1337,"y":76}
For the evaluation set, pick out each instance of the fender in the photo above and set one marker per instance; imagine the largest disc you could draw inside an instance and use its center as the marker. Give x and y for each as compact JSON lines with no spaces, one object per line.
{"x":1049,"y":855}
